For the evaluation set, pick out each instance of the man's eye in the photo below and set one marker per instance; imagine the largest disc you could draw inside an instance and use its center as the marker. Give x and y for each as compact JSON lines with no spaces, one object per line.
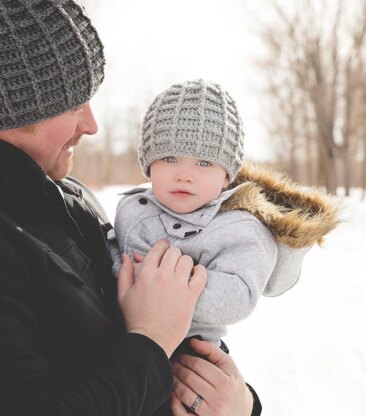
{"x":169,"y":159}
{"x":204,"y":163}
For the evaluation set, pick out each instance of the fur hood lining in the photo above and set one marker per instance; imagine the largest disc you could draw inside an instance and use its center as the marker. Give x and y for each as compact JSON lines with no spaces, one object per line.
{"x":297,"y":216}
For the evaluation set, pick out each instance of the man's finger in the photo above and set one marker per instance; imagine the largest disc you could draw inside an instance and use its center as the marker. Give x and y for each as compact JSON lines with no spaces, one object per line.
{"x":153,"y":257}
{"x":125,"y":278}
{"x":177,"y":406}
{"x":190,"y":370}
{"x":171,"y":258}
{"x":184,"y":393}
{"x":184,"y":266}
{"x":214,"y":355}
{"x":199,"y":278}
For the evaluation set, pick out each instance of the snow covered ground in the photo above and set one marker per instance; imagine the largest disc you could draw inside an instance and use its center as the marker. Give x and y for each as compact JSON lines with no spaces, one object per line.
{"x":305,"y":351}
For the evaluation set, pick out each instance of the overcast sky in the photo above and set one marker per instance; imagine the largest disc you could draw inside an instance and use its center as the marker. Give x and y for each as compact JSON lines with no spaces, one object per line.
{"x":150,"y":44}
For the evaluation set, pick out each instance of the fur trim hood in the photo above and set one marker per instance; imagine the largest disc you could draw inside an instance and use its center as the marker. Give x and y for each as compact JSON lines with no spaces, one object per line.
{"x":297,"y":216}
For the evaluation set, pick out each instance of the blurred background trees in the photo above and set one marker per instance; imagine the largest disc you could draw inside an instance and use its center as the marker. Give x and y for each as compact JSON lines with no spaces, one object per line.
{"x":315,"y":71}
{"x":313,"y":96}
{"x":112,"y":157}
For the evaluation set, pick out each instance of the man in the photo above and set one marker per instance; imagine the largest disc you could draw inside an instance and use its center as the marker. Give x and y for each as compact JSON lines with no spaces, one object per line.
{"x":64,"y":347}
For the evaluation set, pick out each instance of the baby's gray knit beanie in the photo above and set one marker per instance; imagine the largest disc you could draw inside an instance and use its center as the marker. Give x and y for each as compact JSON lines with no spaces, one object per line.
{"x":196,"y":118}
{"x":51,"y":60}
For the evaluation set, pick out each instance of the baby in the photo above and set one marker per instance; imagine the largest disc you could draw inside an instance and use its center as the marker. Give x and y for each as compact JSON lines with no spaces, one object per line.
{"x":249,"y":228}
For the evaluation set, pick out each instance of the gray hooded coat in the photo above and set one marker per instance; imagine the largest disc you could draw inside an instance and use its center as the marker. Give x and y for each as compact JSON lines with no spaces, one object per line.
{"x":252,"y":241}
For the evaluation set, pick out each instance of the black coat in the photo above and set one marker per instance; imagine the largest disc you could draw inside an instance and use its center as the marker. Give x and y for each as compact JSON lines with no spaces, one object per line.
{"x":63,"y":347}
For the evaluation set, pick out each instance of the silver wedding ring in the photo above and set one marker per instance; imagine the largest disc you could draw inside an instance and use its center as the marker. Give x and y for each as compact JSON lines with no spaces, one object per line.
{"x":196,"y":403}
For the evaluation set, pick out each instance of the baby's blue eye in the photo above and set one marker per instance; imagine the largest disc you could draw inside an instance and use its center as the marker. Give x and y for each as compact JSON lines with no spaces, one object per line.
{"x":169,"y":159}
{"x":204,"y":163}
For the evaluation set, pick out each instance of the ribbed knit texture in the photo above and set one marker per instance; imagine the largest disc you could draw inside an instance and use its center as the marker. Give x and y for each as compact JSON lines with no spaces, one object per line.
{"x":196,"y":118}
{"x":51,"y":60}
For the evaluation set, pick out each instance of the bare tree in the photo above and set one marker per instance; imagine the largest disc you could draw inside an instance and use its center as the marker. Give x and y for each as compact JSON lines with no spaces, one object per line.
{"x":111,"y":158}
{"x":314,"y":57}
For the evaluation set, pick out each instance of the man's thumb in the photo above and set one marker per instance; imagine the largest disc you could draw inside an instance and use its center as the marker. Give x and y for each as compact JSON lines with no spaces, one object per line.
{"x":125,"y":278}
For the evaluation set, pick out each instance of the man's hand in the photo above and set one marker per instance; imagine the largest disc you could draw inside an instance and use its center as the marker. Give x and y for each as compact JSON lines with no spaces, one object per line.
{"x":160,"y":303}
{"x":218,"y":382}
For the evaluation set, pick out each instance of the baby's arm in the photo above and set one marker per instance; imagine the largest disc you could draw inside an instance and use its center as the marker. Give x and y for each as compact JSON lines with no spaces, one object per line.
{"x":114,"y":251}
{"x":239,"y":257}
{"x":125,"y":238}
{"x":115,"y":236}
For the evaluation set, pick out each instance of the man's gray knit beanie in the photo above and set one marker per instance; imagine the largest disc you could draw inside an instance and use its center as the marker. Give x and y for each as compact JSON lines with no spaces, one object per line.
{"x":196,"y":118}
{"x":51,"y":60}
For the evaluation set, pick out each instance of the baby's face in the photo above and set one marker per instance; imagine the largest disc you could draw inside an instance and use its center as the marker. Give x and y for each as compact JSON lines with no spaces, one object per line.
{"x":184,"y":184}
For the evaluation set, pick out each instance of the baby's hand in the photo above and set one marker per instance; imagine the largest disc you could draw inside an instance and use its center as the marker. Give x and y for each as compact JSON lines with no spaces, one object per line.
{"x":139,"y":258}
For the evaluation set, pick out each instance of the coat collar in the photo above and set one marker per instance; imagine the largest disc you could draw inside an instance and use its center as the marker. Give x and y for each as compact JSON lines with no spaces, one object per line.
{"x":19,"y":174}
{"x":199,"y":218}
{"x":24,"y":187}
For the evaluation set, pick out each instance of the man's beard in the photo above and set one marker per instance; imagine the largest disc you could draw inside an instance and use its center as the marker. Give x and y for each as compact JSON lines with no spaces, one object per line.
{"x":58,"y":171}
{"x":63,"y":168}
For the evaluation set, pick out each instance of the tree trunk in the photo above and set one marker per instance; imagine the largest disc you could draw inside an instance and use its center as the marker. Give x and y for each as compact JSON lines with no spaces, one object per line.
{"x":327,"y":168}
{"x":346,"y":171}
{"x":364,"y":169}
{"x":310,"y":163}
{"x":332,"y":175}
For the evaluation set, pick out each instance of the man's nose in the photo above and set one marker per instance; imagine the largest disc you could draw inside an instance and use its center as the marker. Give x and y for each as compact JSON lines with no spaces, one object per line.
{"x":88,"y":124}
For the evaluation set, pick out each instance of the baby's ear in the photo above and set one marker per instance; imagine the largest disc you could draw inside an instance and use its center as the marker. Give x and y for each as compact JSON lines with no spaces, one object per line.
{"x":226,"y":182}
